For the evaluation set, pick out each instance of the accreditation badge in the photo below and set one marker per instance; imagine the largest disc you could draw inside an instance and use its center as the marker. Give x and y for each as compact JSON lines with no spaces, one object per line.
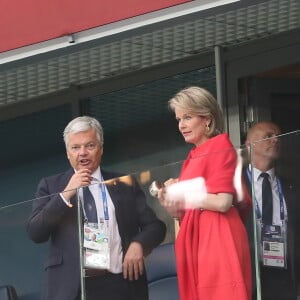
{"x":273,"y":246}
{"x":96,"y":245}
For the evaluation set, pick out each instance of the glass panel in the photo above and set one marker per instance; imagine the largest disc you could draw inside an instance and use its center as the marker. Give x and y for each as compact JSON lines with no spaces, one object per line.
{"x":276,"y":230}
{"x":229,"y":239}
{"x":130,"y":194}
{"x":23,"y":261}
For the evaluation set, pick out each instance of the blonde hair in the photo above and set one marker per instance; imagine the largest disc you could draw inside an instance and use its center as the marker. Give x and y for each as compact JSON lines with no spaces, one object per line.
{"x":201,"y":102}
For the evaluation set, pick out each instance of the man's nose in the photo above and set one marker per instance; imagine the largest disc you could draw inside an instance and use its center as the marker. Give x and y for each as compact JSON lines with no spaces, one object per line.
{"x":275,"y":139}
{"x":82,"y":150}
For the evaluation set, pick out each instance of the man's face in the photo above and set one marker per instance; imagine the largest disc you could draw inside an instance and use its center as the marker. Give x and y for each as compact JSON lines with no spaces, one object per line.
{"x":269,"y":148}
{"x":84,"y":150}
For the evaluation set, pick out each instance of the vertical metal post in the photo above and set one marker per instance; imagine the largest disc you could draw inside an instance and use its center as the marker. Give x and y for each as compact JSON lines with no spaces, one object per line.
{"x":256,"y":253}
{"x":221,"y":82}
{"x":80,"y":240}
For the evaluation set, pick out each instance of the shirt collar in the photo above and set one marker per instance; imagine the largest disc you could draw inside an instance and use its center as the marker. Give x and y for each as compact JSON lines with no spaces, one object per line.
{"x":256,"y":173}
{"x":97,"y":174}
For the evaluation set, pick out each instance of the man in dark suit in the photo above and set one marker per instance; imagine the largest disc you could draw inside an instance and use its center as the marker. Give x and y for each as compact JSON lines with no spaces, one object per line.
{"x":133,"y":228}
{"x":276,"y":237}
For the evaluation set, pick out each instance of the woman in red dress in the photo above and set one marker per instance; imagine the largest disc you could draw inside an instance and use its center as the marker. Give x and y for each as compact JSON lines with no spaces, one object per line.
{"x":212,"y":250}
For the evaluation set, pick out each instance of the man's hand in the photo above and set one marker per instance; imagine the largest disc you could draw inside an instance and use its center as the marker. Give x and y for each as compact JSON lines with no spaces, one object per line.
{"x":79,"y":179}
{"x":133,"y":265}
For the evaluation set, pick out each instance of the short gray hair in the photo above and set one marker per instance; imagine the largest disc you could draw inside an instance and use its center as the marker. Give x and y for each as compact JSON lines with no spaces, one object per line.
{"x":201,"y":102}
{"x":84,"y":123}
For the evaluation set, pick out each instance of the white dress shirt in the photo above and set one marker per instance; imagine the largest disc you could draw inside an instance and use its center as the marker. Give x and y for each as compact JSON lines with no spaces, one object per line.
{"x":257,"y":201}
{"x":275,"y":194}
{"x":116,"y":253}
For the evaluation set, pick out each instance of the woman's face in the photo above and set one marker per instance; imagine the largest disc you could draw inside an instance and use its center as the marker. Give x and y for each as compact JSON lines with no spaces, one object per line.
{"x":192,"y":126}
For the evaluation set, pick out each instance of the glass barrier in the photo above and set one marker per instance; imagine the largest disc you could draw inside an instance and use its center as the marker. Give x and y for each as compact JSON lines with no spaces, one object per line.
{"x":275,"y":236}
{"x":26,"y":252}
{"x":21,"y":260}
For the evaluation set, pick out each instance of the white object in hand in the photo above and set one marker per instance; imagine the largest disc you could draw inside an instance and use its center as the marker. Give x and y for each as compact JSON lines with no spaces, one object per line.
{"x":190,"y":193}
{"x":154,"y":187}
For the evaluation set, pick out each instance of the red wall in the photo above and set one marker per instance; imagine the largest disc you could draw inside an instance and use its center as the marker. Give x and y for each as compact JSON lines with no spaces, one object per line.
{"x":26,"y":22}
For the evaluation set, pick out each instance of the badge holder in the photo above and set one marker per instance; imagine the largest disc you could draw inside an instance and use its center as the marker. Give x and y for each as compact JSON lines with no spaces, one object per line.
{"x":273,"y":246}
{"x":96,"y":245}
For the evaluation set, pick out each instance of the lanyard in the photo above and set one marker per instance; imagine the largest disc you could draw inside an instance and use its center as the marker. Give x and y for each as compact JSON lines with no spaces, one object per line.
{"x":280,"y":194}
{"x":104,"y":200}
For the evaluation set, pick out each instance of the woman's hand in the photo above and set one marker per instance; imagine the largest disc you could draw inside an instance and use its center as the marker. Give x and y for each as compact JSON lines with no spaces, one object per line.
{"x":174,"y":208}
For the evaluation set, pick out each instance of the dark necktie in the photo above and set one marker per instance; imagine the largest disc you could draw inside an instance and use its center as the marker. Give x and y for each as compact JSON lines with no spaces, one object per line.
{"x":267,"y":200}
{"x":89,"y":206}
